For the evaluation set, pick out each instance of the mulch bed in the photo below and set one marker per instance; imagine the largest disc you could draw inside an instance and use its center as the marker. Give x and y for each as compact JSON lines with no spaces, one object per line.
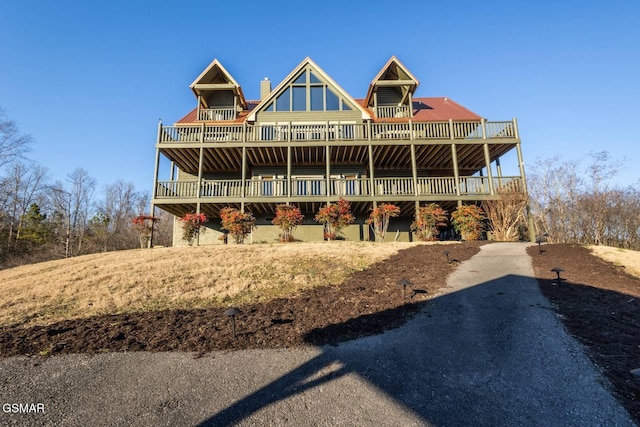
{"x":599,"y":304}
{"x":367,"y":303}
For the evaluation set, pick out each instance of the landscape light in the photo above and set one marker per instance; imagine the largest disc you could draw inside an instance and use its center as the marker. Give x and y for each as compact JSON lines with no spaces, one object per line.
{"x":233,"y":312}
{"x":404,"y":283}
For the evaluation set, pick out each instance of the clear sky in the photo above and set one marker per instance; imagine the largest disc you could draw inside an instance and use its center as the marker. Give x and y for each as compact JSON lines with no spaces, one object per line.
{"x":89,"y":80}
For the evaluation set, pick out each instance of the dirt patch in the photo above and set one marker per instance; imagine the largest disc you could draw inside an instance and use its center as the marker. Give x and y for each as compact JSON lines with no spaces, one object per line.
{"x":599,"y":303}
{"x":367,"y":302}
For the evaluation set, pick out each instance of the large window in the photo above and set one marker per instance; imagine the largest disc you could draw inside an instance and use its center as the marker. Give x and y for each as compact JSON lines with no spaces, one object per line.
{"x":308,"y":93}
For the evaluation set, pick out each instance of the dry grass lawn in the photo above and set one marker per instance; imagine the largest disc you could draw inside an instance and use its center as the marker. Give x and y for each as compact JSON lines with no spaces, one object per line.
{"x":181,"y":277}
{"x":626,"y":258}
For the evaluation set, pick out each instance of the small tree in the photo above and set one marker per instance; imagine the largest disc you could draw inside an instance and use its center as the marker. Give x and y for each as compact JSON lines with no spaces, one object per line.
{"x":288,"y":217}
{"x":192,"y":226}
{"x":144,"y":225}
{"x":335,"y":217}
{"x":428,"y":219}
{"x":468,"y":221}
{"x":238,"y":224}
{"x":379,"y":219}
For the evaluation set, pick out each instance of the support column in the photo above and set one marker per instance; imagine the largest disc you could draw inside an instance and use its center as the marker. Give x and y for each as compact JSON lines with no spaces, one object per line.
{"x":371,"y":180}
{"x":243,"y":175}
{"x":327,"y":155}
{"x":521,"y":166}
{"x":414,"y":170}
{"x":487,"y":161}
{"x":200,"y":161}
{"x":289,"y":171}
{"x":456,"y":173}
{"x":152,"y":212}
{"x":530,"y":220}
{"x":155,"y":173}
{"x":156,"y":168}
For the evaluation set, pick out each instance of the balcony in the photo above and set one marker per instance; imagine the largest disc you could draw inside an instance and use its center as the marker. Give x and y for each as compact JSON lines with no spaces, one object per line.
{"x":451,"y":130}
{"x":393,"y":112}
{"x":216,"y":114}
{"x":301,"y":188}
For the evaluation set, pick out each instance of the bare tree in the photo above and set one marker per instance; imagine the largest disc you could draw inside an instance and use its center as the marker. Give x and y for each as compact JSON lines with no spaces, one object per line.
{"x":554,"y":187}
{"x":13,"y":144}
{"x":72,"y":203}
{"x":22,"y":185}
{"x":120,"y":204}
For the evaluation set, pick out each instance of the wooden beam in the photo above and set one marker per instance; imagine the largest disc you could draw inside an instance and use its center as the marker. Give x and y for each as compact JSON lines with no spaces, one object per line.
{"x":214,"y":86}
{"x":394,"y":83}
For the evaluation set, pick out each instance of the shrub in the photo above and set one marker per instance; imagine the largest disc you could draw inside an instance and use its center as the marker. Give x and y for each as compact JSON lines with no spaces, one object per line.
{"x":507,"y":214}
{"x":192,"y":226}
{"x":335,"y":217}
{"x":238,"y":224}
{"x":379,"y":219}
{"x":288,"y":217}
{"x":468,"y":221}
{"x":428,"y":219}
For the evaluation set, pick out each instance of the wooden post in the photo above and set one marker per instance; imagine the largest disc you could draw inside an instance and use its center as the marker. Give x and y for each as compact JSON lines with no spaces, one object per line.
{"x":456,"y":173}
{"x":487,"y":160}
{"x":414,"y":170}
{"x":371,"y":180}
{"x":289,"y":170}
{"x":200,"y":161}
{"x":327,"y":155}
{"x":152,"y":211}
{"x":521,"y":166}
{"x":243,"y":177}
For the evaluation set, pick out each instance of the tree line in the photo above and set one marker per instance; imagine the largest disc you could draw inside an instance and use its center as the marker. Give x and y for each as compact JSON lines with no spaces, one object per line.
{"x":578,"y":202}
{"x":41,"y":219}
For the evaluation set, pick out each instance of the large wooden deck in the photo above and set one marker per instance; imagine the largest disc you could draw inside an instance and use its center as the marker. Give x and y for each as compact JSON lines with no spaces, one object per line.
{"x":408,"y":131}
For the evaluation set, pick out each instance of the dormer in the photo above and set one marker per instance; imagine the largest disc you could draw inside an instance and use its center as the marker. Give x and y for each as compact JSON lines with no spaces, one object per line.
{"x":220,"y":97}
{"x":391,"y":92}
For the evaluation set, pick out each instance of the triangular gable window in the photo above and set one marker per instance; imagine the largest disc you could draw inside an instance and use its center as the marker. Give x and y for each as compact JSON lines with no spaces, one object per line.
{"x":308,"y":93}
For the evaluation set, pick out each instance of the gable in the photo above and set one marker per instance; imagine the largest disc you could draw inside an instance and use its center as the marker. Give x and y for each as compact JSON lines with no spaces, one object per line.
{"x":216,"y":78}
{"x":394,"y":77}
{"x":308,"y":89}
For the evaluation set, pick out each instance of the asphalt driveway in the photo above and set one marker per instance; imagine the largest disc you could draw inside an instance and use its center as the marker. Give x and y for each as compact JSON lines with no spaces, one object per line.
{"x":489,"y":351}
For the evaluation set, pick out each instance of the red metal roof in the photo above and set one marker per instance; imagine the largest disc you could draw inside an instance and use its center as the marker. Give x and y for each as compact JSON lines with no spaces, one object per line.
{"x":434,"y":110}
{"x":424,"y":110}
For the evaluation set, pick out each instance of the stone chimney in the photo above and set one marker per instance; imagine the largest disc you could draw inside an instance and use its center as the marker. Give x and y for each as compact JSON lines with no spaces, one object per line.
{"x":265,"y":88}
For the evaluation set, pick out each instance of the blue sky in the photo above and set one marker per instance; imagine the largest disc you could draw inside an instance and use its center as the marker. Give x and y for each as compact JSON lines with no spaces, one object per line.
{"x":89,"y":80}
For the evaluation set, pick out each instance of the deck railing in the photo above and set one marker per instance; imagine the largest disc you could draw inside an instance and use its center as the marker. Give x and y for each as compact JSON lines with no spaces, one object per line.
{"x":388,"y":112}
{"x":455,"y":130}
{"x":345,"y":187}
{"x":216,"y":114}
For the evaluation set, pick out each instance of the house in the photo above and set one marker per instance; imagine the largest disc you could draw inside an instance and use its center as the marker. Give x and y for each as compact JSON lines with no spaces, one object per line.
{"x":308,"y":142}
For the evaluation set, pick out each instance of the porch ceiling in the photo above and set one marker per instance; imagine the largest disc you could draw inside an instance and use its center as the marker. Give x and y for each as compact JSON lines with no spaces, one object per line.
{"x":389,"y":156}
